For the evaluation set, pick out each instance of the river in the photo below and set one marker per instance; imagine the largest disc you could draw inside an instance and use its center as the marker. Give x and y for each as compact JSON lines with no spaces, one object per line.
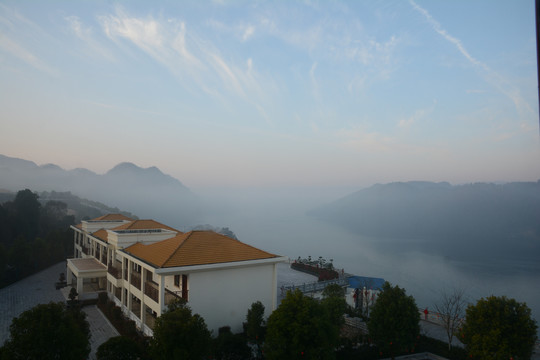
{"x":276,"y":221}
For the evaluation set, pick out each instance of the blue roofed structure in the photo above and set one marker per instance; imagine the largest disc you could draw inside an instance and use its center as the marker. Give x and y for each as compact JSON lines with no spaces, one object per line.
{"x":360,"y":282}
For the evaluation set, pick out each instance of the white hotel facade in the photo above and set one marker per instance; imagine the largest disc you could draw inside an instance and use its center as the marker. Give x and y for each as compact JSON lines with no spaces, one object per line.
{"x":143,"y":265}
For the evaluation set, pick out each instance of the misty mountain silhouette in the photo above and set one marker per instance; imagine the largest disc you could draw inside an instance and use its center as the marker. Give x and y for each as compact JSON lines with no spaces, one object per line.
{"x":480,"y":219}
{"x":148,"y":193}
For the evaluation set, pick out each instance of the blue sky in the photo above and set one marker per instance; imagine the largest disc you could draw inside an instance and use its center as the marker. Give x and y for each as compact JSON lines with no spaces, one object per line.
{"x":313,"y":94}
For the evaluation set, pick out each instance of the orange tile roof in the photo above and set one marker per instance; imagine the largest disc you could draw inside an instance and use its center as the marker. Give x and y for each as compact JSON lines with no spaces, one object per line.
{"x":102,"y":235}
{"x":196,"y":248}
{"x":112,"y":217}
{"x":143,"y":225}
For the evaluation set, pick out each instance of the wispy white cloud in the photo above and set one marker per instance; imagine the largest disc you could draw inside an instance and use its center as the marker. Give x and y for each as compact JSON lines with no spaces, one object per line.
{"x":492,"y":77}
{"x":439,"y":29}
{"x":11,"y":41}
{"x":248,"y":32}
{"x":15,"y":49}
{"x":419,"y":115}
{"x":193,"y":59}
{"x":86,"y":34}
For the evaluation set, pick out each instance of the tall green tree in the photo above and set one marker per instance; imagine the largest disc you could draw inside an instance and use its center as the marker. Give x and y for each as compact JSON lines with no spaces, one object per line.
{"x":255,"y":325}
{"x":333,"y":300}
{"x":48,"y":331}
{"x":179,"y":334}
{"x":394,"y":322}
{"x":229,"y":346}
{"x":27,"y":210}
{"x":119,"y":348}
{"x":499,"y":328}
{"x":301,"y":328}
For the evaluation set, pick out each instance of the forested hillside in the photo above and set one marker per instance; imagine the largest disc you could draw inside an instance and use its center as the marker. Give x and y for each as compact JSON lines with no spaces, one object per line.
{"x":479,"y":219}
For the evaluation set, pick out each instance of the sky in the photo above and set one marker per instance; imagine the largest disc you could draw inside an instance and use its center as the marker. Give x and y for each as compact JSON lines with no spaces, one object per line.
{"x":274,"y":94}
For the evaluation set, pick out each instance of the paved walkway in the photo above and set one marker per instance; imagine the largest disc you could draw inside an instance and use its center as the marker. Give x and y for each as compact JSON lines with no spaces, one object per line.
{"x":39,"y":289}
{"x":435,"y":330}
{"x":100,"y":328}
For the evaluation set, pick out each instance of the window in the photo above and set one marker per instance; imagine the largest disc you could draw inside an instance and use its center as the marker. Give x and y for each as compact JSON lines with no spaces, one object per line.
{"x":177,"y":280}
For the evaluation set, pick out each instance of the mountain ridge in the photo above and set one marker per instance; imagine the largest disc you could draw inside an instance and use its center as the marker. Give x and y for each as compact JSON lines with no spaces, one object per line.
{"x":147,"y":192}
{"x":478,"y":218}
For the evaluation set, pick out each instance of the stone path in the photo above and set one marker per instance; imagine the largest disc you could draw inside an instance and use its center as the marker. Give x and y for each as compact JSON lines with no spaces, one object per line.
{"x":39,"y":289}
{"x":100,"y":328}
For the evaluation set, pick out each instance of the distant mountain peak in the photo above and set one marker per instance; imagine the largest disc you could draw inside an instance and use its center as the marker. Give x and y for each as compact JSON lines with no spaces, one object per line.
{"x":51,"y":166}
{"x":124,"y":166}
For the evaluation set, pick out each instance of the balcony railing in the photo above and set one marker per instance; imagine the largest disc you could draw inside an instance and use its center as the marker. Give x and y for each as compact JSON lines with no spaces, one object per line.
{"x":151,"y":290}
{"x":150,"y":319}
{"x":85,"y":250}
{"x":136,"y":280}
{"x":114,"y":271}
{"x":172,"y":295}
{"x":118,"y":293}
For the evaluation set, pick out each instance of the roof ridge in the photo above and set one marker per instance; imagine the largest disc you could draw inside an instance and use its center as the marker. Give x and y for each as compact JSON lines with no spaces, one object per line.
{"x":186,"y":235}
{"x":243,"y":243}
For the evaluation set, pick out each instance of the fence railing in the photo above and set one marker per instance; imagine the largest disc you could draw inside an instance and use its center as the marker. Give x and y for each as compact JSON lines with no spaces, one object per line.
{"x":114,"y":271}
{"x":136,"y":280}
{"x":151,"y":291}
{"x":314,"y":286}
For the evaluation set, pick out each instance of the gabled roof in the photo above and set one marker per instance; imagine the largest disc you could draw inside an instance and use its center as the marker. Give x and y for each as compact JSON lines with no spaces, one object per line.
{"x":143,"y":225}
{"x":196,"y":248}
{"x":101,"y":234}
{"x":112,"y":217}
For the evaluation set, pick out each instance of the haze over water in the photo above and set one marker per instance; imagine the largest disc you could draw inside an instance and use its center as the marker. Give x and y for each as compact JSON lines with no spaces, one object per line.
{"x":276,"y":221}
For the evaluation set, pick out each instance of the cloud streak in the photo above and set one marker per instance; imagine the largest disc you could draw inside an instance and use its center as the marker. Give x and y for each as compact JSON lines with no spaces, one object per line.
{"x":188,"y":56}
{"x":492,"y":77}
{"x":12,"y":46}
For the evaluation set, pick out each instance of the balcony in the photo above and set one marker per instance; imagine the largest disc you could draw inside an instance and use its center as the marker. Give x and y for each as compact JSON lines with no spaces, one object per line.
{"x":150,"y":318}
{"x":151,"y":290}
{"x":118,"y":293}
{"x":136,"y":307}
{"x":136,"y":280}
{"x":85,"y":250}
{"x":114,"y":271}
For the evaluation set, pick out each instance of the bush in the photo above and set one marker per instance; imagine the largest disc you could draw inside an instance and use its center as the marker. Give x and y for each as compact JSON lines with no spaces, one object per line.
{"x":103,"y":298}
{"x":119,"y":348}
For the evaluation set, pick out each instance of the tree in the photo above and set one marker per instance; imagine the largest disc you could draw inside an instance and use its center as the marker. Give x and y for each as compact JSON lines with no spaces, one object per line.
{"x":394,"y":322}
{"x":229,"y":346}
{"x":499,"y":328}
{"x":451,"y":308}
{"x":27,"y":211}
{"x":72,"y":295}
{"x":178,"y":334}
{"x":119,"y":348}
{"x":300,"y":328}
{"x":334,"y":303}
{"x":48,"y":331}
{"x":255,"y":325}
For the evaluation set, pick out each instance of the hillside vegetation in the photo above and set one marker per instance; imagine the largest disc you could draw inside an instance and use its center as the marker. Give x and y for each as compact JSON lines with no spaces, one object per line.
{"x":478,"y":219}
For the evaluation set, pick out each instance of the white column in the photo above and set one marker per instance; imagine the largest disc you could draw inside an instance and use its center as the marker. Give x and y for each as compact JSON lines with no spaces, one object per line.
{"x":69,"y":276}
{"x":161,"y":282}
{"x":274,"y":287}
{"x":79,"y":285}
{"x":143,"y":313}
{"x":128,"y":285}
